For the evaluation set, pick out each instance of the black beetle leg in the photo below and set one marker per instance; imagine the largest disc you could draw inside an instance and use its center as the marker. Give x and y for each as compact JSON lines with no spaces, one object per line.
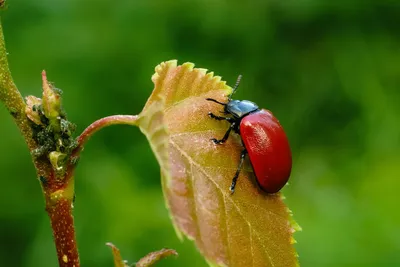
{"x":223,"y":140}
{"x":219,"y":118}
{"x":230,"y":120}
{"x":242,"y":155}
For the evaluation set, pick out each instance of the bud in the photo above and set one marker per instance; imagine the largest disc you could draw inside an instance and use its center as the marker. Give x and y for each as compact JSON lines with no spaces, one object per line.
{"x":57,"y":159}
{"x":51,"y":101}
{"x":33,"y":104}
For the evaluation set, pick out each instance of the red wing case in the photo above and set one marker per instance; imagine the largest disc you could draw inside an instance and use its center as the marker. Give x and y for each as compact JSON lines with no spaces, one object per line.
{"x":268,"y":149}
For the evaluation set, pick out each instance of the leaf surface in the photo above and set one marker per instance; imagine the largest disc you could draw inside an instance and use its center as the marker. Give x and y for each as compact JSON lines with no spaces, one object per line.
{"x":248,"y":228}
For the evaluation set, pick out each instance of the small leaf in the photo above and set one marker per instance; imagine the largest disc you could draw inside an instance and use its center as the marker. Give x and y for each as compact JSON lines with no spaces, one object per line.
{"x":147,"y":261}
{"x":155,"y":256}
{"x":248,"y":228}
{"x":118,"y":262}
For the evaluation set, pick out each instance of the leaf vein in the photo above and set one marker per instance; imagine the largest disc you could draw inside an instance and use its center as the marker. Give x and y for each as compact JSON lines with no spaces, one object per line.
{"x":192,"y":162}
{"x":194,"y":210}
{"x":222,"y":191}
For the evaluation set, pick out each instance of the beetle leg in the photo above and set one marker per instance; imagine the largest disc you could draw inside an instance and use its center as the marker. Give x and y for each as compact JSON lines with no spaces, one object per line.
{"x":242,"y":155}
{"x":223,"y":140}
{"x":219,"y":118}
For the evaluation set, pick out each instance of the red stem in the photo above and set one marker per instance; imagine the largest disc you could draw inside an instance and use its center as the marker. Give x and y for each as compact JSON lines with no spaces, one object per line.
{"x":62,"y":223}
{"x":99,"y":124}
{"x":60,"y":194}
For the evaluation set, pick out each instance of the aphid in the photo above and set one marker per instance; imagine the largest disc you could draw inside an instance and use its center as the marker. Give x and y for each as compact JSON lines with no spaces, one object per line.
{"x":263,"y":138}
{"x":43,"y":180}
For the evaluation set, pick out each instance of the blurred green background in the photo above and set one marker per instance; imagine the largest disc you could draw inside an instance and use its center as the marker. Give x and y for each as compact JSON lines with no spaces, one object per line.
{"x":329,"y":71}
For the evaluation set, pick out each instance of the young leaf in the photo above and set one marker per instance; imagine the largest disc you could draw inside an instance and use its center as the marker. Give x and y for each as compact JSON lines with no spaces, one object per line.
{"x":247,"y":228}
{"x":118,"y":261}
{"x":147,"y":261}
{"x":153,"y":257}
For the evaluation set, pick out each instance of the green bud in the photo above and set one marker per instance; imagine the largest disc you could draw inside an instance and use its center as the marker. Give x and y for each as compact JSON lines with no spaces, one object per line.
{"x":51,"y":101}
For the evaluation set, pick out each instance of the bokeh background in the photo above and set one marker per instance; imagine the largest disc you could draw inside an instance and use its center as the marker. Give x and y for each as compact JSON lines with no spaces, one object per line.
{"x":329,"y":70}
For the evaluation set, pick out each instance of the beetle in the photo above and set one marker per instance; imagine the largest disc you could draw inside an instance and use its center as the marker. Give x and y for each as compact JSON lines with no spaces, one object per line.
{"x":263,"y":139}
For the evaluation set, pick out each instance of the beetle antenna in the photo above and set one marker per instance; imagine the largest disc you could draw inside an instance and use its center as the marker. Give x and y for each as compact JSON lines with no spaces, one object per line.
{"x":236,"y":84}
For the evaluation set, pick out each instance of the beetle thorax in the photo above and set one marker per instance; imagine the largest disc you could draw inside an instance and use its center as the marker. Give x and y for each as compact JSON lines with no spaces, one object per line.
{"x":240,"y":108}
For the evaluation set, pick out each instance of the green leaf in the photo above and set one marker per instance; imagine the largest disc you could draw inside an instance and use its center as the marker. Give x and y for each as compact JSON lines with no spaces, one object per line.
{"x":248,"y":228}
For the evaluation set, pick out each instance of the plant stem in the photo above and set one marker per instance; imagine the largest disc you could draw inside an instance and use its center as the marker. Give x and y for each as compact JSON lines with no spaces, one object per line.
{"x":100,"y":124}
{"x":58,"y":193}
{"x":58,"y":190}
{"x":62,"y":223}
{"x":59,"y":207}
{"x":11,"y":97}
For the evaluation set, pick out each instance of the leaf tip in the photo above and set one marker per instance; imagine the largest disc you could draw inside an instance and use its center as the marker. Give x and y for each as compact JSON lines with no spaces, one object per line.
{"x":118,"y":261}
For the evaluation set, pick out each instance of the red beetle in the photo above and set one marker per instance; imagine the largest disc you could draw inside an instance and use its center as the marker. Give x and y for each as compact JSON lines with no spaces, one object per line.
{"x":263,"y":139}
